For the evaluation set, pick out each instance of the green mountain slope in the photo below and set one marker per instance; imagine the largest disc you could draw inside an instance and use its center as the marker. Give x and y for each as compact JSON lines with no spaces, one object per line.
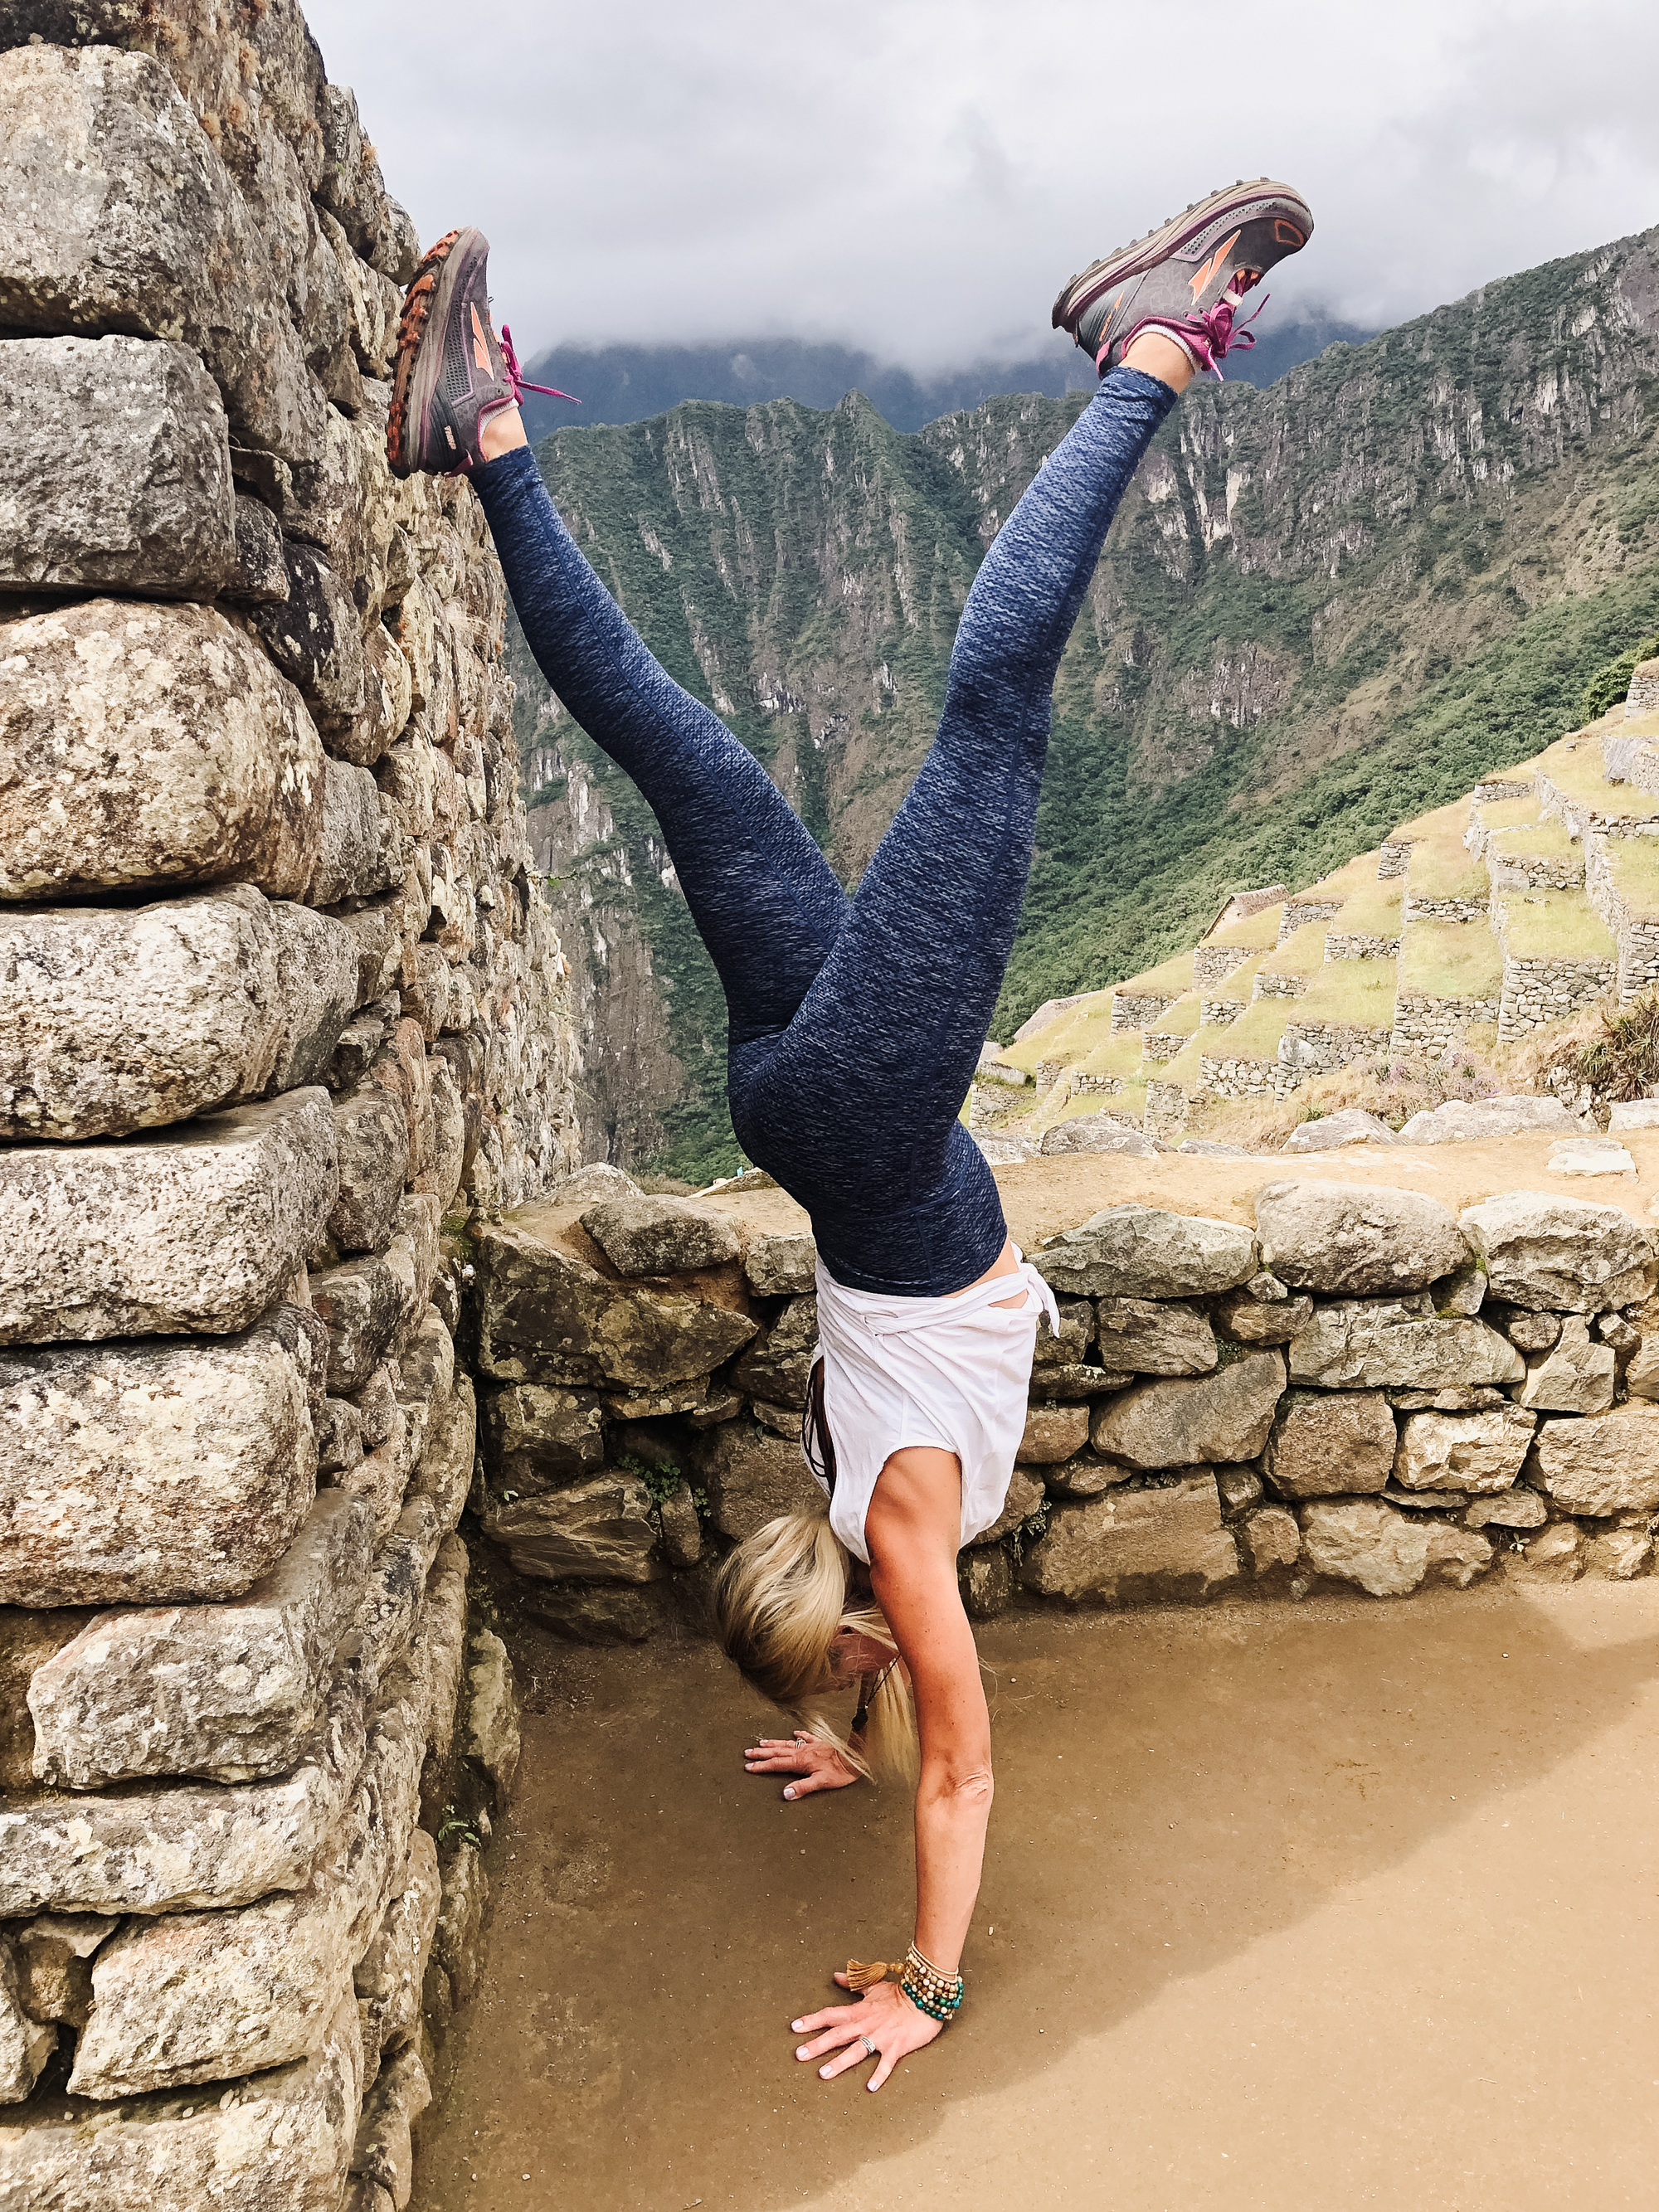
{"x":1324,"y":606}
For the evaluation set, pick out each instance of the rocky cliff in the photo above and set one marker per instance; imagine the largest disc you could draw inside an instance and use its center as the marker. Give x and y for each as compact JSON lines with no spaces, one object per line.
{"x":281,"y":1001}
{"x":1326,"y":607}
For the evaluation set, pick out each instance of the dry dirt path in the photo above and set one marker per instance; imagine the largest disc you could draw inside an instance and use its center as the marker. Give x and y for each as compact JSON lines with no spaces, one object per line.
{"x":1321,"y":1905}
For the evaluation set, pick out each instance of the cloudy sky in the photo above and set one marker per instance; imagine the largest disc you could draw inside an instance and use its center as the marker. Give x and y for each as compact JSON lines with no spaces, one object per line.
{"x":919,"y":176}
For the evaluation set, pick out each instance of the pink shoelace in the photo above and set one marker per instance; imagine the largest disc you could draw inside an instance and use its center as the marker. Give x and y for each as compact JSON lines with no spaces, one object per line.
{"x":1208,"y":338}
{"x":516,"y":378}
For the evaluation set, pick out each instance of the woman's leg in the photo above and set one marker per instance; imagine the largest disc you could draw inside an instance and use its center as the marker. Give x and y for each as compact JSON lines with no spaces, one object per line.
{"x":763,"y":897}
{"x":865,"y":1085}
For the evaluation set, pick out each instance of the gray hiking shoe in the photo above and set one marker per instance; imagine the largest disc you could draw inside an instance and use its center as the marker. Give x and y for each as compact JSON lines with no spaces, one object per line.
{"x":1188,"y":278}
{"x":453,"y":372}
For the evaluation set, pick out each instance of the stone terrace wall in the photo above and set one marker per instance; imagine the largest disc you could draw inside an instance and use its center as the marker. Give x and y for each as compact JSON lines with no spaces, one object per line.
{"x":1362,"y":1392}
{"x":279,"y":998}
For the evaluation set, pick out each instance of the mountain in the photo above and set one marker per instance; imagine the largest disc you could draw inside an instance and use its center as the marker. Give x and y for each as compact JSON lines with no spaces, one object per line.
{"x":1326,"y":606}
{"x":631,"y":383}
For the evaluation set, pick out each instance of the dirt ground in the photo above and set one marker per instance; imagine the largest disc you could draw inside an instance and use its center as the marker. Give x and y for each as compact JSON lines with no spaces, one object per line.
{"x":1342,"y":1904}
{"x":1042,"y":1196}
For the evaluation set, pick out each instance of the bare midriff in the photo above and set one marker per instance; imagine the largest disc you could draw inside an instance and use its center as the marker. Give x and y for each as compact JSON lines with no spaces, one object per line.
{"x":1004,"y":1264}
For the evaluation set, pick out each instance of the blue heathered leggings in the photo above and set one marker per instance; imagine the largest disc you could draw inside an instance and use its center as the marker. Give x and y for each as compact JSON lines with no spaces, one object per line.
{"x":855,"y":1024}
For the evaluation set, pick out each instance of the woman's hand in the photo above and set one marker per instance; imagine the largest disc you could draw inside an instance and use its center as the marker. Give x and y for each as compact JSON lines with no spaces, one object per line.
{"x":885,"y":2018}
{"x":820,"y":1765}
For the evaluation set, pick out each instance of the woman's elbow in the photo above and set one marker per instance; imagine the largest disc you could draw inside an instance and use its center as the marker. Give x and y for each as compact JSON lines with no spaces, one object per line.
{"x":968,"y":1788}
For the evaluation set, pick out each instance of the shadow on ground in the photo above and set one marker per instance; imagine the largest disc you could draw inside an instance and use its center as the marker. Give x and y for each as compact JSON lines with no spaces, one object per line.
{"x":1281,"y":1904}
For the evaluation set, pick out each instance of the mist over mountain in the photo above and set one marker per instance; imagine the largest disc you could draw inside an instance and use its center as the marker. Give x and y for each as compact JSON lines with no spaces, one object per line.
{"x":631,"y":383}
{"x":1325,"y":606}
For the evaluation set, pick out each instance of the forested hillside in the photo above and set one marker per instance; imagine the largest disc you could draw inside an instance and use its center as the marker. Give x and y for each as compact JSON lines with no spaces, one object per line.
{"x":1325,"y":606}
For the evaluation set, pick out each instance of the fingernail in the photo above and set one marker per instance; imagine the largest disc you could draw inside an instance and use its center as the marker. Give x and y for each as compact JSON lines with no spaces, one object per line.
{"x":823,"y":2073}
{"x":801,"y":2052}
{"x":797,"y":2026}
{"x":788,"y":1793}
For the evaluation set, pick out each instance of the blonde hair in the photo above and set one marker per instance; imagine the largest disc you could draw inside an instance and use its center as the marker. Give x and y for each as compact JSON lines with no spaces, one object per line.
{"x":780,"y":1601}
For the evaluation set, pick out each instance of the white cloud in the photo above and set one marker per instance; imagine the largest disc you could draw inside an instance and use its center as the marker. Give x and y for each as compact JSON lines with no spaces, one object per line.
{"x":919,"y":176}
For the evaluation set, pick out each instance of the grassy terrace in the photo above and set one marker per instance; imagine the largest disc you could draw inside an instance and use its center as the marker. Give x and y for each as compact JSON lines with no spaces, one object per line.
{"x":1302,"y":955}
{"x":1117,"y":1055}
{"x":1547,"y":839}
{"x":1253,"y":1036}
{"x":1372,"y":911}
{"x":1450,"y":960}
{"x":1183,"y":1069}
{"x":1634,"y":865}
{"x":1359,"y":993}
{"x":1555,"y":926}
{"x":1070,"y":1038}
{"x":1573,"y":765}
{"x":1180,"y":1019}
{"x":1442,"y":867}
{"x":1240,"y":986}
{"x":1509,"y":813}
{"x":1342,"y":883}
{"x":1130,"y":1102}
{"x":1259,"y":933}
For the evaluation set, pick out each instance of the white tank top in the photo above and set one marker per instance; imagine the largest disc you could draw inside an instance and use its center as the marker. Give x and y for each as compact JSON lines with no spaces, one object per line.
{"x":951,"y":1372}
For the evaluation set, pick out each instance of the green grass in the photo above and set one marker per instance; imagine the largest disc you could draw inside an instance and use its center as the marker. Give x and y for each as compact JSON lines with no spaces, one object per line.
{"x":1359,"y":993}
{"x":1183,"y":1070}
{"x":1634,"y":865}
{"x":1070,"y":1038}
{"x":1171,"y":977}
{"x":1303,"y":953}
{"x":1240,"y":986}
{"x":1442,"y":867}
{"x":1543,"y":839}
{"x":1450,"y":960}
{"x":1180,"y":1019}
{"x":1373,"y":910}
{"x":1555,"y":926}
{"x":1254,"y":1034}
{"x":1508,"y":813}
{"x":1256,"y":931}
{"x":1117,"y":1055}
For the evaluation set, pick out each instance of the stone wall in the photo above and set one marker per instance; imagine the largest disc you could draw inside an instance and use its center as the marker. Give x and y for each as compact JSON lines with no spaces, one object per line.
{"x":1341,"y":945}
{"x":1358,"y":1391}
{"x":1393,"y":859}
{"x":1130,"y":1012}
{"x":1538,"y":992}
{"x":1238,"y":1078}
{"x":1424,"y":1023}
{"x":1213,"y":963}
{"x":1310,"y":1048}
{"x":280,"y":1003}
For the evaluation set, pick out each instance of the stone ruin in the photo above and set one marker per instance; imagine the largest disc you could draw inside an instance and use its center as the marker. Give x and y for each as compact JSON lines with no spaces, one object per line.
{"x":278,"y":993}
{"x":286,"y":1088}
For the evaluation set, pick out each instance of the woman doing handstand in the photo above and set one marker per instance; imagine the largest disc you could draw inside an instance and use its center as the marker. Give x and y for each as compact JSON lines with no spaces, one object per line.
{"x":855,"y":1025}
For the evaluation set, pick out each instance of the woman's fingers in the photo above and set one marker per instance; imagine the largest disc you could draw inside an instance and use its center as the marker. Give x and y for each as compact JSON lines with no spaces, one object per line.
{"x":851,"y":2017}
{"x":884,"y":2066}
{"x":855,"y":2055}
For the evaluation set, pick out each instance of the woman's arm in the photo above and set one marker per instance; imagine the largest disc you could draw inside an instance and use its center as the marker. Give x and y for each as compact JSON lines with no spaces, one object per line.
{"x":913,"y":1528}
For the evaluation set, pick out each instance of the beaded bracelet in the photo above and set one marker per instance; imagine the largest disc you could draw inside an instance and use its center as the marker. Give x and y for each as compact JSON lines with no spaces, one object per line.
{"x":937,"y":1994}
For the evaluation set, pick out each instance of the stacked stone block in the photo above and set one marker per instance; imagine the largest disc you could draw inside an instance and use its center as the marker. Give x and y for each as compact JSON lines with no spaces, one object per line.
{"x":1360,"y":1390}
{"x":278,"y":997}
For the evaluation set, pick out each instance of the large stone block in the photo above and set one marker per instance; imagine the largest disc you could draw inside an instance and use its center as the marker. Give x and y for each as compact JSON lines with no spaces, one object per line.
{"x":372,"y":1132}
{"x":546,"y":1317}
{"x":315,"y":637}
{"x":778,"y":1366}
{"x":1559,"y":1255}
{"x":536,"y":1438}
{"x":114,"y":469}
{"x":1388,"y":1554}
{"x":114,"y":1019}
{"x":600,"y":1531}
{"x":279,"y":2143}
{"x":117,"y":214}
{"x":174,"y":1846}
{"x":1328,"y":1443}
{"x":1143,"y":1252}
{"x":644,"y":1235}
{"x":492,"y":1742}
{"x":206,"y":1997}
{"x":387,"y":1978}
{"x":229,"y":1690}
{"x":751,"y":1478}
{"x":1399,"y":1344}
{"x":25,"y":2044}
{"x":1053,"y":1432}
{"x":1478,"y":1452}
{"x":781,"y":1266}
{"x":1573,"y":1377}
{"x":351,"y":855}
{"x":384,"y":2152}
{"x":1608,"y":1463}
{"x":150,"y":1472}
{"x":1356,"y":1240}
{"x":1150,"y":1336}
{"x":1223,"y":1416}
{"x":1132,"y":1546}
{"x":149,"y":745}
{"x":197,"y":1229}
